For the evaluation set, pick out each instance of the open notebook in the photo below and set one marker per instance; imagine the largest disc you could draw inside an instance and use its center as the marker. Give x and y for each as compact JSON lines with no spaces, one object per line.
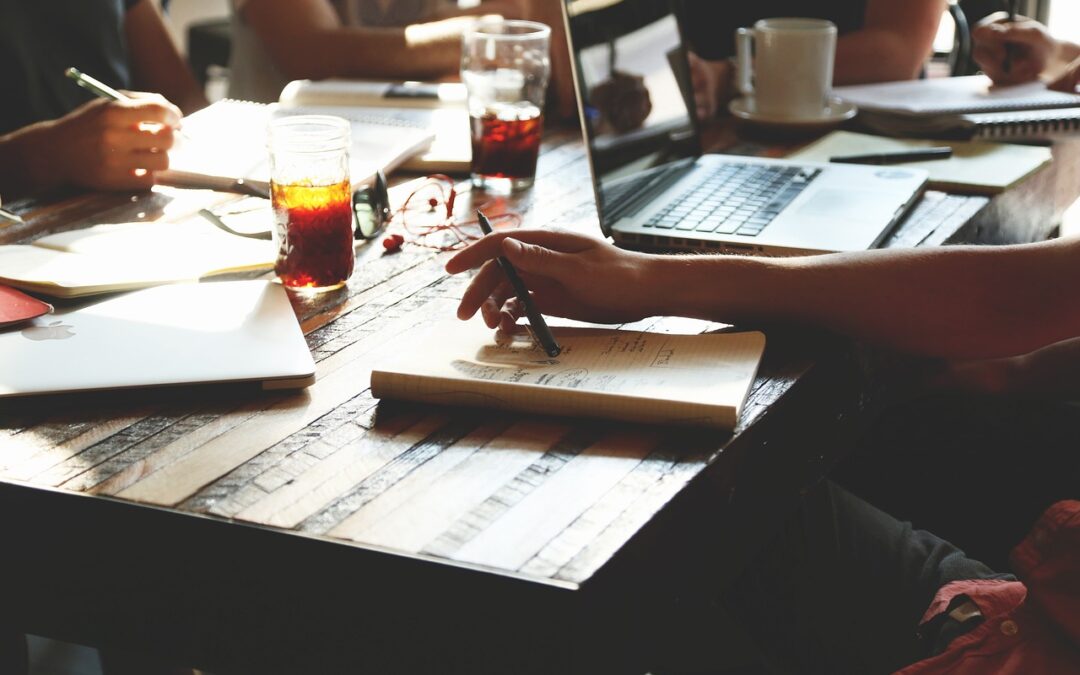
{"x":697,"y":380}
{"x":126,"y":256}
{"x":227,"y":141}
{"x":438,"y":107}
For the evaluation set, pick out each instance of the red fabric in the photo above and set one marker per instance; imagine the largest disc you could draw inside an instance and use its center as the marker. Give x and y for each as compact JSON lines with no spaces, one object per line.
{"x":1030,"y":627}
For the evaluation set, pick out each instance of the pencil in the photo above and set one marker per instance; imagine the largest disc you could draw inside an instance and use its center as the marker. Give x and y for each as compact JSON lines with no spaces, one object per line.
{"x":1014,"y":12}
{"x":536,"y":320}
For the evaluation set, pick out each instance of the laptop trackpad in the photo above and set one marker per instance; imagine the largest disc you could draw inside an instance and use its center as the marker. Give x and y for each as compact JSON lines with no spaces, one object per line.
{"x":857,"y":205}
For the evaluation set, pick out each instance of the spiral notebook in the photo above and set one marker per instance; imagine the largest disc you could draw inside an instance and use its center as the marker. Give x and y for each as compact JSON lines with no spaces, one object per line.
{"x":227,"y":141}
{"x":964,"y":108}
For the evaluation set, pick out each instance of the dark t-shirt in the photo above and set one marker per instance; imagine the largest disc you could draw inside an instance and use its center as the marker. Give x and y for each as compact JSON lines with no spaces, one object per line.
{"x":39,"y":39}
{"x":710,"y":25}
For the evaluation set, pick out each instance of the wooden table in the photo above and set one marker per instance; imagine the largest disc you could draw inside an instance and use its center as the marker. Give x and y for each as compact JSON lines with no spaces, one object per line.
{"x":322,"y":531}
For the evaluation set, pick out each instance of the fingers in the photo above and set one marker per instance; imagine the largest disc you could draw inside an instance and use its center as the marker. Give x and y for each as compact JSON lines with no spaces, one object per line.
{"x":491,"y":246}
{"x":530,"y":258}
{"x":132,"y":113}
{"x":1069,"y":80}
{"x":480,"y":289}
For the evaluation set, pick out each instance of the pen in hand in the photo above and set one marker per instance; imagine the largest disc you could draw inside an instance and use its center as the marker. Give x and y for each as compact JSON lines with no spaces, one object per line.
{"x":1014,"y":12}
{"x":100,"y":89}
{"x":536,"y":319}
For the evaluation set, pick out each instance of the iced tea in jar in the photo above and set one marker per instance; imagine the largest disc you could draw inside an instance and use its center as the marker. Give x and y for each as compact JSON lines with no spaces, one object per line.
{"x":311,"y":195}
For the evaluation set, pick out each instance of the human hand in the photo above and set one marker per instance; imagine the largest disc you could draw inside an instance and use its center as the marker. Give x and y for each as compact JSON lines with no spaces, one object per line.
{"x":712,"y":84}
{"x":569,"y":275}
{"x":1030,"y":44}
{"x":110,"y":145}
{"x":623,"y":101}
{"x":1068,"y":80}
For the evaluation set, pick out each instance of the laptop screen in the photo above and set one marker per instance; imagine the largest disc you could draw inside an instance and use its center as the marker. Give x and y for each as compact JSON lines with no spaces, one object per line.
{"x":634,"y":88}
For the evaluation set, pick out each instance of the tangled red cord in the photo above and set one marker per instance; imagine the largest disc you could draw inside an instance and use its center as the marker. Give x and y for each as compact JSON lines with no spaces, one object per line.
{"x":439,"y":189}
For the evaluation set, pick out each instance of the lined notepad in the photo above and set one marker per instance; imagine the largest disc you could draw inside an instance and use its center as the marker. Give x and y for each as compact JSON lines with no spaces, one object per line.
{"x":974,"y":168}
{"x":698,"y":380}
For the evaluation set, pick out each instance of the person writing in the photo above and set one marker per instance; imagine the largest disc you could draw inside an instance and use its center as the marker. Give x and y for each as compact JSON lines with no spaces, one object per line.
{"x":1014,"y":52}
{"x":275,"y":41}
{"x":854,"y":587}
{"x":879,"y":40}
{"x":54,"y":134}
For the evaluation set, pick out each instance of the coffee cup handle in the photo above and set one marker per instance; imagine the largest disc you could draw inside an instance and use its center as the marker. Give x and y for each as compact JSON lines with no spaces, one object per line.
{"x":744,"y":61}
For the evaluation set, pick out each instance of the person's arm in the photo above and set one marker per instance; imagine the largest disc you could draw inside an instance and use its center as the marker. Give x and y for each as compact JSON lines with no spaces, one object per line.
{"x":893,"y":44}
{"x":957,"y":302}
{"x":306,"y":39}
{"x":102,"y":145}
{"x":156,"y":65}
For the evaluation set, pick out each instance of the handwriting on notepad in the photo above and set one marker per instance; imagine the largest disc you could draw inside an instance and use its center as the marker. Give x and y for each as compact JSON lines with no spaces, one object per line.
{"x":630,"y":363}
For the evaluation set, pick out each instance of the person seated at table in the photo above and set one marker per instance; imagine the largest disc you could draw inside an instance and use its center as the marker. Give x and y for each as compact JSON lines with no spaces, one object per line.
{"x":1032,"y":53}
{"x":275,"y":41}
{"x":55,"y":134}
{"x":879,"y":40}
{"x":947,"y":303}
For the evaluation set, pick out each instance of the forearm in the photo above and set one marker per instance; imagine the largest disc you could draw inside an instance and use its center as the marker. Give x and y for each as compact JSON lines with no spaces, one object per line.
{"x":956,"y":302}
{"x":23,"y":162}
{"x":874,"y":55}
{"x":369,"y":52}
{"x":156,"y":64}
{"x":893,"y":44}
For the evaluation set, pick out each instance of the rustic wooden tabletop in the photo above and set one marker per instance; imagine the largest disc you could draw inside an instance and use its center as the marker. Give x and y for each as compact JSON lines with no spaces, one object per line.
{"x":551,"y":503}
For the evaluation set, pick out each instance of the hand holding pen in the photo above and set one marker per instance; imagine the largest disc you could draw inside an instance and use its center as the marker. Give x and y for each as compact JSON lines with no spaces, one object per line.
{"x":115,"y":143}
{"x":539,"y":327}
{"x":1011,"y":48}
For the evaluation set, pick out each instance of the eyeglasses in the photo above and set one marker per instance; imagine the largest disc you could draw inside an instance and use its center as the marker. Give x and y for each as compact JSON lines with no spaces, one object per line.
{"x":370,"y":206}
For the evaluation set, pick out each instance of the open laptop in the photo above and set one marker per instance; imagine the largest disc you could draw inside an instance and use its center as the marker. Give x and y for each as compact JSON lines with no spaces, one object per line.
{"x":655,"y":189}
{"x":229,"y":331}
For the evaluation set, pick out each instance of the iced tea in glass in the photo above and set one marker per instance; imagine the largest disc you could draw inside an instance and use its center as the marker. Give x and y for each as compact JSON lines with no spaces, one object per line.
{"x":505,"y":67}
{"x":312,"y":200}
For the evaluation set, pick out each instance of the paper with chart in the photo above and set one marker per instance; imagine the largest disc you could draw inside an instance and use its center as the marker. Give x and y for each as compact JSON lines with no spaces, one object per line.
{"x":657,"y":377}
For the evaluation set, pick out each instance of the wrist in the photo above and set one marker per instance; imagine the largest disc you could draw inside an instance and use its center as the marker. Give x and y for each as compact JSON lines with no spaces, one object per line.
{"x":25,"y":161}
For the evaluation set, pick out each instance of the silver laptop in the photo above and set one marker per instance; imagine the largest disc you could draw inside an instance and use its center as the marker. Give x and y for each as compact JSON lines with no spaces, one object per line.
{"x":655,"y":189}
{"x":229,"y":331}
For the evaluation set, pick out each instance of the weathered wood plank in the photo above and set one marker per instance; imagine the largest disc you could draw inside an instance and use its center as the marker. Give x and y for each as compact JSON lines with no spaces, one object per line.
{"x":339,"y":378}
{"x":327,"y":480}
{"x":510,"y":541}
{"x":414,"y":512}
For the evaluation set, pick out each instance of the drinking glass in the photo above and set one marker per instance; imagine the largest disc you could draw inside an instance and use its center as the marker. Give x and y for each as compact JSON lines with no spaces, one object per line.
{"x":312,"y":201}
{"x":505,"y":68}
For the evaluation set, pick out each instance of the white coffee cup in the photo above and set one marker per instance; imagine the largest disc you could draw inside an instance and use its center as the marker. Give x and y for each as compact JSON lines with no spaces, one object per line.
{"x":786,"y":65}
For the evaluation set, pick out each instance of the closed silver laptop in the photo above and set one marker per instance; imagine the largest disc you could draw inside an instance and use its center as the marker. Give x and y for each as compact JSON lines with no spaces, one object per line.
{"x":654,"y":188}
{"x":229,"y":331}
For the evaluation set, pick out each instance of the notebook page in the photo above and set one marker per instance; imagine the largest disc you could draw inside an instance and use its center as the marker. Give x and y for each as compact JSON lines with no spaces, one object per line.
{"x":610,"y":366}
{"x":228,"y":140}
{"x":948,"y":95}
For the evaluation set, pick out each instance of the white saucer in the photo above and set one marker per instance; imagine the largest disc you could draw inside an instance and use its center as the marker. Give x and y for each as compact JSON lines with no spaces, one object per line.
{"x":837,"y":111}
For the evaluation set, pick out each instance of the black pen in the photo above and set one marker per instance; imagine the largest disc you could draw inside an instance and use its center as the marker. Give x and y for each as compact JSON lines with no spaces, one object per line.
{"x":1014,"y":12}
{"x":899,"y":157}
{"x":540,"y":328}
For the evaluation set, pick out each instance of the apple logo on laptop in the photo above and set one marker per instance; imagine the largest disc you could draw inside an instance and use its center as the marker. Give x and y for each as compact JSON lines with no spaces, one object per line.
{"x":57,"y":330}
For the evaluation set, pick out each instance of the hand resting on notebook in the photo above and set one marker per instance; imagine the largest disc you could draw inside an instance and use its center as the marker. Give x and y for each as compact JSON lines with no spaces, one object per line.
{"x":956,"y":302}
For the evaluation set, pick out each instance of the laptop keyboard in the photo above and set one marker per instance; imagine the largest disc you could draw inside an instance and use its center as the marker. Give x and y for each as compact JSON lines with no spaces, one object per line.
{"x":735,"y":199}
